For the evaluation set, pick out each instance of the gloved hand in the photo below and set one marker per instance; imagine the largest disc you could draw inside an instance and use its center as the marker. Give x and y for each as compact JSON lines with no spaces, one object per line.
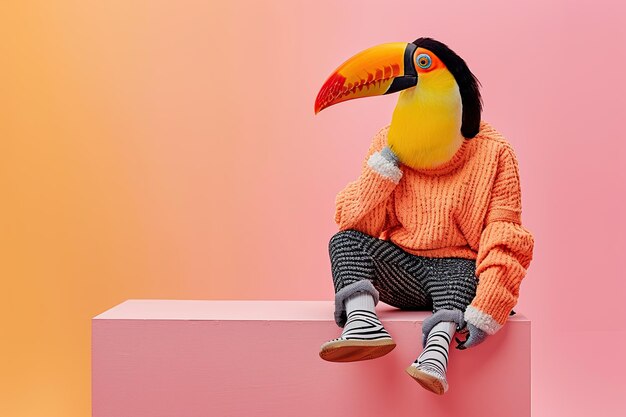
{"x":386,"y":163}
{"x":475,"y":336}
{"x":389,"y":155}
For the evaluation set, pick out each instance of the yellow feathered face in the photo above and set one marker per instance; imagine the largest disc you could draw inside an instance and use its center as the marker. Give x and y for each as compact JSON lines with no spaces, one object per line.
{"x":429,"y":120}
{"x":426,"y":124}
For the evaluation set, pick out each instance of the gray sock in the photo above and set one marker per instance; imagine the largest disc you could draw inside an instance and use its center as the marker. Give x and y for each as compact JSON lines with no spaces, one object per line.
{"x":360,"y":301}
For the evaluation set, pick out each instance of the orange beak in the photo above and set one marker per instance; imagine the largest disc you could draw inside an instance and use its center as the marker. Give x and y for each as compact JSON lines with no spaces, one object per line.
{"x":379,"y":70}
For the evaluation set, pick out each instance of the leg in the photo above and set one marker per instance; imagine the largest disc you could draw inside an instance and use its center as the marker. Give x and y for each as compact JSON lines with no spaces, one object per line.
{"x":363,"y":263}
{"x":453,"y":287}
{"x":366,"y":268}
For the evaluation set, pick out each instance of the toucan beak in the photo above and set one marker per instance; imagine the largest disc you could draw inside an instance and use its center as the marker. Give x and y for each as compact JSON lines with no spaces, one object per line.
{"x":379,"y":70}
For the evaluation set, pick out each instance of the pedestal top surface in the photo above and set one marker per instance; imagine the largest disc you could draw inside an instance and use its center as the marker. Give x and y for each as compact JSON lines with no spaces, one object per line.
{"x":288,"y":310}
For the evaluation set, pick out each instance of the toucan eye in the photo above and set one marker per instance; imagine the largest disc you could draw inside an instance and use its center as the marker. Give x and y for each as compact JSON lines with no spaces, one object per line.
{"x":423,"y":61}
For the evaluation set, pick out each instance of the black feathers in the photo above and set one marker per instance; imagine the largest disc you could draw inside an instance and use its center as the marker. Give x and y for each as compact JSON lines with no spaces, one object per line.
{"x":468,"y":84}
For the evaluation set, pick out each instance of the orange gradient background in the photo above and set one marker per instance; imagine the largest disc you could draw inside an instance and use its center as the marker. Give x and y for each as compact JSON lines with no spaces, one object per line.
{"x":161,"y":149}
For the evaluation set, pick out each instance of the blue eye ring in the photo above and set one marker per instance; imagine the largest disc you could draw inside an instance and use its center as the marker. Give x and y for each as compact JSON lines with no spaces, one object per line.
{"x":423,"y":61}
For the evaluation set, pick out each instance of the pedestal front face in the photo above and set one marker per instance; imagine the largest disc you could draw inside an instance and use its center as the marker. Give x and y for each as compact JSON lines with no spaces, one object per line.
{"x":167,"y":358}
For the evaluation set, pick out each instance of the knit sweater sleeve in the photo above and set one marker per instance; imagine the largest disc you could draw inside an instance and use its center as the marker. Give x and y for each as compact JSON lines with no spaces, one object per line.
{"x":505,"y":250}
{"x":363,"y":204}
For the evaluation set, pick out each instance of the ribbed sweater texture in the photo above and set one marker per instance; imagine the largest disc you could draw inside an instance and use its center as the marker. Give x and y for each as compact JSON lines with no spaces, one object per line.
{"x":469,"y":207}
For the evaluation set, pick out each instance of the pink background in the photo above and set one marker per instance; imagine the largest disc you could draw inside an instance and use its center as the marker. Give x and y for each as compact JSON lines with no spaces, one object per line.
{"x":158,"y":149}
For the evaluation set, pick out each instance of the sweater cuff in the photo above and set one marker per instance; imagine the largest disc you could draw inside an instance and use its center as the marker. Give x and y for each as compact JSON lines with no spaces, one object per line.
{"x":482,"y":320}
{"x":384,"y":167}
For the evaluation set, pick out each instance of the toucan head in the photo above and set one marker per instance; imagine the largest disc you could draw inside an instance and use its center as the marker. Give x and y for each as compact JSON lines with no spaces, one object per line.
{"x":393,"y":67}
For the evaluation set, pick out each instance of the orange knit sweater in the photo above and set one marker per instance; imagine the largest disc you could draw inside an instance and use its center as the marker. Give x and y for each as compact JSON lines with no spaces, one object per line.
{"x":469,"y":207}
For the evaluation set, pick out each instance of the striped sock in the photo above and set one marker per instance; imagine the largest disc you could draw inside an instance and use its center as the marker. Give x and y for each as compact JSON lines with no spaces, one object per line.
{"x":363,"y":336}
{"x":362,"y":322}
{"x":433,"y":360}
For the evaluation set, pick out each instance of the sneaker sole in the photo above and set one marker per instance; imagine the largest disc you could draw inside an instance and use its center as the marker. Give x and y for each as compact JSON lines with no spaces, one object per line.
{"x":356,"y":350}
{"x":426,"y":380}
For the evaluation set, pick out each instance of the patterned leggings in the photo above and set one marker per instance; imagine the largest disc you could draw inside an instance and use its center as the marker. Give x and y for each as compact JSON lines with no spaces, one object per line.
{"x":360,"y":262}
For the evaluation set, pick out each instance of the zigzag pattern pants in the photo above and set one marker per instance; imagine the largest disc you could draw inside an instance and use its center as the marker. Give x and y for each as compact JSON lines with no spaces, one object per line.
{"x":360,"y":262}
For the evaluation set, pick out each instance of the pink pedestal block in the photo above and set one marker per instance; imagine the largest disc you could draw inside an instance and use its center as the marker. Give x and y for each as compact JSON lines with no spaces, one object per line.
{"x":167,"y":358}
